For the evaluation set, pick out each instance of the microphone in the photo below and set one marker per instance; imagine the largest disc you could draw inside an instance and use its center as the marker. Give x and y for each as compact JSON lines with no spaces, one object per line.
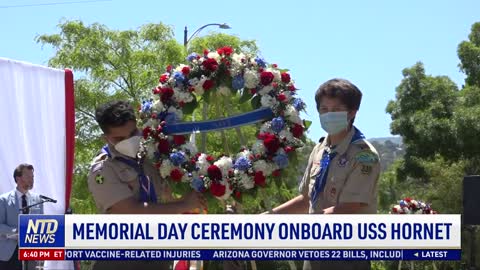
{"x":47,"y":199}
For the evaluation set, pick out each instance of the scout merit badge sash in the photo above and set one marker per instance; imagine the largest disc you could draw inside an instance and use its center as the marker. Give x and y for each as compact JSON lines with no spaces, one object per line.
{"x":320,"y":179}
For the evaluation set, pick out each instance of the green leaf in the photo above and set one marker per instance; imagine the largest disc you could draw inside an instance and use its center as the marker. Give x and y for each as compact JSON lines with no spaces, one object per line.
{"x":245,"y":96}
{"x":307,"y":124}
{"x":206,"y":96}
{"x":191,"y":106}
{"x":256,"y":102}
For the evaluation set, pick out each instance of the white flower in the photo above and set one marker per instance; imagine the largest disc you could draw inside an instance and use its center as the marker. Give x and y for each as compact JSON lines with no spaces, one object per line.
{"x":266,"y":127}
{"x":265,"y":90}
{"x":258,"y":148}
{"x":237,"y":58}
{"x":224,"y":91}
{"x":158,"y":106}
{"x":202,"y":164}
{"x":166,"y":168}
{"x":263,"y":166}
{"x":286,"y":134}
{"x":277,"y":76}
{"x":245,"y":153}
{"x":244,"y":179}
{"x":189,"y":147}
{"x":215,"y":56}
{"x":293,"y":115}
{"x":181,"y":96}
{"x":199,"y":86}
{"x":176,"y":111}
{"x":224,"y":164}
{"x":151,"y":149}
{"x":251,"y":79}
{"x":180,"y":67}
{"x":268,"y":101}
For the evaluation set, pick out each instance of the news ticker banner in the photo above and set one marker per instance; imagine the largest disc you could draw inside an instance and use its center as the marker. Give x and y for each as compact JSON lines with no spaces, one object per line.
{"x":233,"y":237}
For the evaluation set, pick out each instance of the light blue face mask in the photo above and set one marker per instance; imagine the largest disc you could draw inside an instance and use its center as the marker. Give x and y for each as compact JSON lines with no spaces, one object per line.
{"x":334,"y":122}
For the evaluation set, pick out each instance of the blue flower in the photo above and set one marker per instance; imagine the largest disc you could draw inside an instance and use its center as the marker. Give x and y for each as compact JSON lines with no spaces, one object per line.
{"x":147,"y":105}
{"x":277,"y":124}
{"x":177,"y":158}
{"x":192,"y":57}
{"x":242,"y":163}
{"x":281,"y":160}
{"x":179,"y":78}
{"x":197,"y":184}
{"x":260,"y":62}
{"x":298,"y":104}
{"x":238,"y":82}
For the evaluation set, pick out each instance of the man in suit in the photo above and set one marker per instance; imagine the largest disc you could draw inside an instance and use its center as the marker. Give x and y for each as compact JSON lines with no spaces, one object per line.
{"x":12,"y":204}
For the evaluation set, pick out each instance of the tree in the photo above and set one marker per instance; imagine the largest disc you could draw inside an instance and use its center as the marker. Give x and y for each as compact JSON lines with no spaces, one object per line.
{"x":422,"y":114}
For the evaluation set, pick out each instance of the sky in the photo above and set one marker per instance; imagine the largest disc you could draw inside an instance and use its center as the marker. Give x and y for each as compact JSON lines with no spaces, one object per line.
{"x":368,"y":42}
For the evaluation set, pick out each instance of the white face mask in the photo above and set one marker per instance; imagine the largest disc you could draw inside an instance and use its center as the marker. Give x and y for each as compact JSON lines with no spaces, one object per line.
{"x":334,"y":122}
{"x":129,"y":147}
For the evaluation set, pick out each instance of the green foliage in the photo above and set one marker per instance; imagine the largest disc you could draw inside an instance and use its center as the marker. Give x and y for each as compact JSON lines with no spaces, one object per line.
{"x":469,"y":54}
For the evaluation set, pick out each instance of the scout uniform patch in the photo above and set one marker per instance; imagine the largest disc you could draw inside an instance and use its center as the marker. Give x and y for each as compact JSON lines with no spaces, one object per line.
{"x":366,"y":169}
{"x":342,"y":161}
{"x":366,"y":157}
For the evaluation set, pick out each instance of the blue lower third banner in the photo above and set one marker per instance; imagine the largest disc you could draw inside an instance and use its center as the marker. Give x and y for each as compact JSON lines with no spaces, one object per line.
{"x":261,"y":254}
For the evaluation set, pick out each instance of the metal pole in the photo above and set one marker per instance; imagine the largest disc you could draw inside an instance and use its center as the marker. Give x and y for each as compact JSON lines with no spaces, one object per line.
{"x":185,"y":34}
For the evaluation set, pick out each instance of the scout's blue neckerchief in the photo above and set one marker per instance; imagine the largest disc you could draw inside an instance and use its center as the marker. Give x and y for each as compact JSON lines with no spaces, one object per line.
{"x":147,"y":191}
{"x":321,"y":178}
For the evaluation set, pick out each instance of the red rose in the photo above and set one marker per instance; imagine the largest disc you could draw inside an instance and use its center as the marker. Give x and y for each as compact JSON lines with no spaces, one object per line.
{"x":214,"y":172}
{"x":210,"y":158}
{"x":179,"y":139}
{"x":166,"y":93}
{"x":277,"y":173}
{"x":169,"y":68}
{"x":176,"y":175}
{"x":186,"y":70}
{"x":259,"y":179}
{"x":408,"y":200}
{"x":156,"y":91}
{"x":297,"y":130}
{"x":288,"y":149}
{"x":146,"y":132}
{"x":225,"y":50}
{"x":394,"y":210}
{"x":237,"y":194}
{"x":292,"y":88}
{"x":266,"y":77}
{"x":285,"y":77}
{"x":271,"y":142}
{"x":163,"y":78}
{"x":274,"y":65}
{"x":210,"y":64}
{"x":208,"y":84}
{"x":163,"y":146}
{"x":217,"y":189}
{"x":205,"y":52}
{"x":282,"y":97}
{"x":253,"y":91}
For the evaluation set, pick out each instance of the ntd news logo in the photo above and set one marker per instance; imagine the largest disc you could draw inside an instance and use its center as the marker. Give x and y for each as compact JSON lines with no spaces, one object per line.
{"x":41,"y":231}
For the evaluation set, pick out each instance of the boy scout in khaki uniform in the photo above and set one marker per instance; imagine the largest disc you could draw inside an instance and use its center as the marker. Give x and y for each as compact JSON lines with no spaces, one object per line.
{"x":343,"y":169}
{"x":120,"y":184}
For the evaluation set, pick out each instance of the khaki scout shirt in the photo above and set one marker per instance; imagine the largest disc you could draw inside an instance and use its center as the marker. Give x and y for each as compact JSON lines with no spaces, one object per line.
{"x":352,"y":176}
{"x":111,"y":181}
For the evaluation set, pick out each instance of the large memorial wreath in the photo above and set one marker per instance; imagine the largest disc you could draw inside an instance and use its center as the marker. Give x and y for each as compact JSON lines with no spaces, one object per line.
{"x":203,"y":78}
